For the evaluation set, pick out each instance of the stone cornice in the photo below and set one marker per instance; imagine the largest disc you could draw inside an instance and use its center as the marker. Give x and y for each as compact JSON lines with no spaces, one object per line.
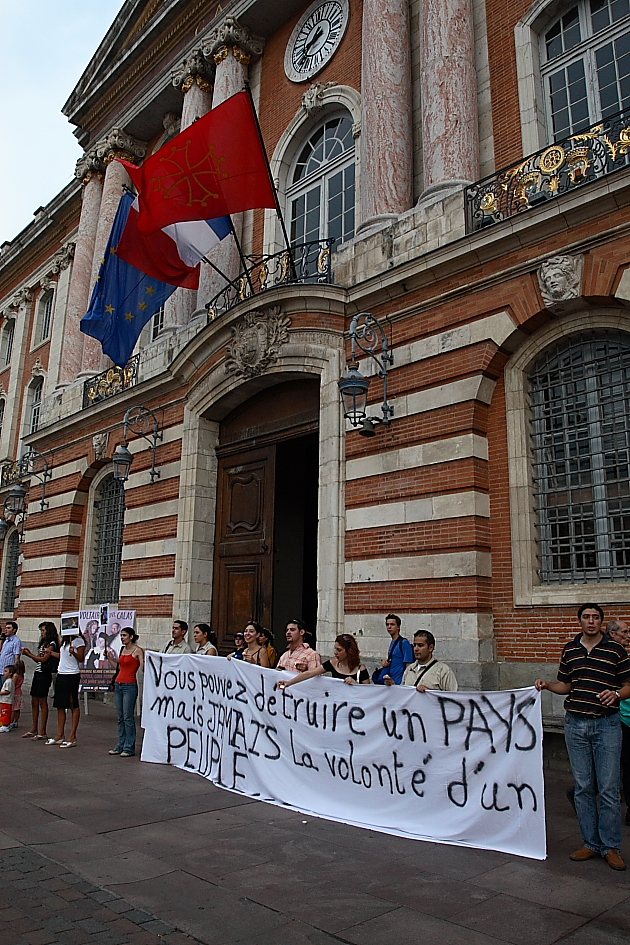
{"x":24,"y":253}
{"x":93,"y":100}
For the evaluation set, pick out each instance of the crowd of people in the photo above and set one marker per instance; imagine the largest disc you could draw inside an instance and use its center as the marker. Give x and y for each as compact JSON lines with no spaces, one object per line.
{"x":61,"y":657}
{"x":594,"y":676}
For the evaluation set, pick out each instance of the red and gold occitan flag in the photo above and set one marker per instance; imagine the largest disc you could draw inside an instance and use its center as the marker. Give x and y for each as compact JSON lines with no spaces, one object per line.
{"x":215,"y":167}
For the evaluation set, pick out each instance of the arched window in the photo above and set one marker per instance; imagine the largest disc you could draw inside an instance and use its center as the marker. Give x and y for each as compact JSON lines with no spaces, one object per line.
{"x":580,"y":409}
{"x":586,"y":65}
{"x":45,"y":311}
{"x":35,"y":404}
{"x":109,"y":518}
{"x":6,"y":342}
{"x":320,"y":191}
{"x":11,"y":564}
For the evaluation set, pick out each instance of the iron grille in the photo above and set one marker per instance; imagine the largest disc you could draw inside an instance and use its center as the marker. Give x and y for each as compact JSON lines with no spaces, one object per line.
{"x":110,"y":520}
{"x":580,"y":414}
{"x":9,"y":591}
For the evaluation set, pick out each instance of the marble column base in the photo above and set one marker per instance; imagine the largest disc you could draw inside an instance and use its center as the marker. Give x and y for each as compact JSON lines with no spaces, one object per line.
{"x":438,"y":191}
{"x":376,"y":222}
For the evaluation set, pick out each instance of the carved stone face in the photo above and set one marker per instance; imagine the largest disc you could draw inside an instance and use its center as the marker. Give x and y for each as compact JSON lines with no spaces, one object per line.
{"x":556,"y":283}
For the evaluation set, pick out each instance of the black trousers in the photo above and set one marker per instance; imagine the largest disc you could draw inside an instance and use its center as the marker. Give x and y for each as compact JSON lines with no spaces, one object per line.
{"x":625,"y":762}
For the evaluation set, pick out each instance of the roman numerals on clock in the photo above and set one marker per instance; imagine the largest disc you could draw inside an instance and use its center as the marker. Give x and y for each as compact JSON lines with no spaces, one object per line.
{"x":316,"y":38}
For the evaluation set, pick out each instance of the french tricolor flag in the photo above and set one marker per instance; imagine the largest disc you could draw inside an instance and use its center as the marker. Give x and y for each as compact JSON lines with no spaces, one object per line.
{"x":174,"y":253}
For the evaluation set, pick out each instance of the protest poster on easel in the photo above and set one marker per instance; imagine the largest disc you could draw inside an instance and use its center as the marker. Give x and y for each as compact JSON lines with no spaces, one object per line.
{"x":100,"y":627}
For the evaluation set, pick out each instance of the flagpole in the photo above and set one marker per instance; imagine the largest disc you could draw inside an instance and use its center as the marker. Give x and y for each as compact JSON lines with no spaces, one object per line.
{"x":240,"y":252}
{"x":273,"y":186}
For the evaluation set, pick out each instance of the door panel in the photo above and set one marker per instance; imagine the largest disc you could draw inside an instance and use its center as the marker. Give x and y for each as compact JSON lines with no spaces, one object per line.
{"x":244,"y":542}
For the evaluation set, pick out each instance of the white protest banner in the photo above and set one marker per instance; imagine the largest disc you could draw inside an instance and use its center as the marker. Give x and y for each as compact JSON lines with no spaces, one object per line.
{"x":462,"y":768}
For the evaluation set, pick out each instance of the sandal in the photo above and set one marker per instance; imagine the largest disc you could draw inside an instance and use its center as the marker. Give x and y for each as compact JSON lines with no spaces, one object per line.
{"x":54,"y":741}
{"x":67,"y":744}
{"x":29,"y":735}
{"x":38,"y":738}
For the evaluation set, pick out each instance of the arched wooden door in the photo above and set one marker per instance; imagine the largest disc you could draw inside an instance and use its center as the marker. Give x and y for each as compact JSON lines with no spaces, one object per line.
{"x":243,"y":587}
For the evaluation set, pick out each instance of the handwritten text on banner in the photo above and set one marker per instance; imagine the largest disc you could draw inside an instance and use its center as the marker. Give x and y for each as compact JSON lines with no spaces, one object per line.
{"x":462,"y":768}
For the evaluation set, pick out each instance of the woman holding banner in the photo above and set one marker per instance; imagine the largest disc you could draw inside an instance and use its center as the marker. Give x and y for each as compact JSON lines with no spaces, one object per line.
{"x":46,"y":660}
{"x":206,"y":640}
{"x":130,"y":659}
{"x":253,"y":651}
{"x":346,"y":664}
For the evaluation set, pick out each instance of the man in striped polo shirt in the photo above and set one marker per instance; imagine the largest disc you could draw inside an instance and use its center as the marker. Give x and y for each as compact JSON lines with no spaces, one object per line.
{"x":594,"y":675}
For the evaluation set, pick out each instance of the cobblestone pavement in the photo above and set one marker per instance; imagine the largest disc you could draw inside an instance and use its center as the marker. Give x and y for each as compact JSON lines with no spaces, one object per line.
{"x":42,"y":903}
{"x":103,"y":849}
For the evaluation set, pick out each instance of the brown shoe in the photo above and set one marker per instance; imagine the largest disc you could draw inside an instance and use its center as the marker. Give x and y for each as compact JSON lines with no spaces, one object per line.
{"x":614,"y":860}
{"x":584,"y":853}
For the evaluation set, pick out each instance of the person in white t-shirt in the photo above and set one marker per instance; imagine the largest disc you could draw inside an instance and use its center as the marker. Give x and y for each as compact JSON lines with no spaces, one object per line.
{"x":7,"y":697}
{"x":72,"y":654}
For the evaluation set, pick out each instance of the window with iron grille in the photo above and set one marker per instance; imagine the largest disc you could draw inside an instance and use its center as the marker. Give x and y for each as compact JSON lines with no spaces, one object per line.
{"x":580,"y":415}
{"x":12,"y":553}
{"x":35,"y":393}
{"x":586,"y":65}
{"x":109,"y":517}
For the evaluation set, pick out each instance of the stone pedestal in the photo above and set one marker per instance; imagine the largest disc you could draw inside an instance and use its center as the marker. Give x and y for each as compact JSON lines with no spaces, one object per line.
{"x":90,"y":170}
{"x":231,"y":46}
{"x":117,"y":144}
{"x":448,"y":89}
{"x":194,"y":78}
{"x":386,"y":132}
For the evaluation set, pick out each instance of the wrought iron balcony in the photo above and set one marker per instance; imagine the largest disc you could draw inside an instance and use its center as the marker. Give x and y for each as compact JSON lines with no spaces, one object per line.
{"x":303,"y":263}
{"x":557,"y":169}
{"x":110,"y":382}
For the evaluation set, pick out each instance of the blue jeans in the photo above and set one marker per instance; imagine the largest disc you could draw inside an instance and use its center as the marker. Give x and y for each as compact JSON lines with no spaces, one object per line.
{"x":126,"y":695}
{"x":594,"y":747}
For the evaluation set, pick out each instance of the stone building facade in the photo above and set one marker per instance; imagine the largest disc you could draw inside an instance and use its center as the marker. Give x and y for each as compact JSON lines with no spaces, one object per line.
{"x":470,"y":160}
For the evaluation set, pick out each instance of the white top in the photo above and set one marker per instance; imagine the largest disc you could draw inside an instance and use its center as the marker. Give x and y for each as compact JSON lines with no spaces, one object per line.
{"x":68,"y":664}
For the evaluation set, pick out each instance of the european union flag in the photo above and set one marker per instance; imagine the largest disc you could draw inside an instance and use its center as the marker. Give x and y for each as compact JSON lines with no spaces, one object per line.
{"x":124,"y":299}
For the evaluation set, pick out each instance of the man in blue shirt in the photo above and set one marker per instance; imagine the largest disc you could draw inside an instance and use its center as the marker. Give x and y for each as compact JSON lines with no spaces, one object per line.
{"x":10,"y":645}
{"x":400,"y":653}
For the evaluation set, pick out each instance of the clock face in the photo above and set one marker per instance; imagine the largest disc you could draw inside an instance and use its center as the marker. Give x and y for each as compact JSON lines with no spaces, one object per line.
{"x":315,"y":39}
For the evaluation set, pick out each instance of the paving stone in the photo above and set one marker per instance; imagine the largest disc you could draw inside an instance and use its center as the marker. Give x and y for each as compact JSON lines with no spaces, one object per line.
{"x":157,"y":927}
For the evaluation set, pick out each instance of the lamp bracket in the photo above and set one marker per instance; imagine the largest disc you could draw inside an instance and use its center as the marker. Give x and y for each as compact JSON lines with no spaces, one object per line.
{"x":143,"y":422}
{"x":367,"y":334}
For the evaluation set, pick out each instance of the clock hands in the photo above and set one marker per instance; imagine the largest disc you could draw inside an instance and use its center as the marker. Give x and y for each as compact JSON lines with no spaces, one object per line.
{"x":313,"y":39}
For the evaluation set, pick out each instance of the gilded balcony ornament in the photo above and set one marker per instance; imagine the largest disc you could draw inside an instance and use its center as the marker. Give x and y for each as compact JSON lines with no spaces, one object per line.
{"x":110,"y":382}
{"x":303,"y":263}
{"x":551,"y":172}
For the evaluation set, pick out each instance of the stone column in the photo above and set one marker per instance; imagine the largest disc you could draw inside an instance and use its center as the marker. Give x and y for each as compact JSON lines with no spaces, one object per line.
{"x":194,"y":78}
{"x":116,"y":144}
{"x":90,"y":170}
{"x":448,"y":90}
{"x":232,"y":46}
{"x":386,"y":134}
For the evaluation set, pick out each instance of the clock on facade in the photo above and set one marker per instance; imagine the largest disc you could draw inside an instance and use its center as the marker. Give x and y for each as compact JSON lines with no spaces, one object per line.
{"x":316,"y":38}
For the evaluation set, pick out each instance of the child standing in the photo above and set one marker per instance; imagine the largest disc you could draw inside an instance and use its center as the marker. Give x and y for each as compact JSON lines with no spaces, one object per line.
{"x":18,"y":700}
{"x":7,"y":694}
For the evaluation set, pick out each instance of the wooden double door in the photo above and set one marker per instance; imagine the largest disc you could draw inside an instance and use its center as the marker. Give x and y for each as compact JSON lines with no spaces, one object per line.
{"x":261,"y":509}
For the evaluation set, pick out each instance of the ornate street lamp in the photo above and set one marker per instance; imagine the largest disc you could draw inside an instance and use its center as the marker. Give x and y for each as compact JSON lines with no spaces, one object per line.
{"x":144,"y":423}
{"x":14,"y":508}
{"x":366,"y":333}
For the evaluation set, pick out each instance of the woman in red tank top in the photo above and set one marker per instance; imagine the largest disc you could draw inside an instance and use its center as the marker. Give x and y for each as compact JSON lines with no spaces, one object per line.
{"x":130,"y":660}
